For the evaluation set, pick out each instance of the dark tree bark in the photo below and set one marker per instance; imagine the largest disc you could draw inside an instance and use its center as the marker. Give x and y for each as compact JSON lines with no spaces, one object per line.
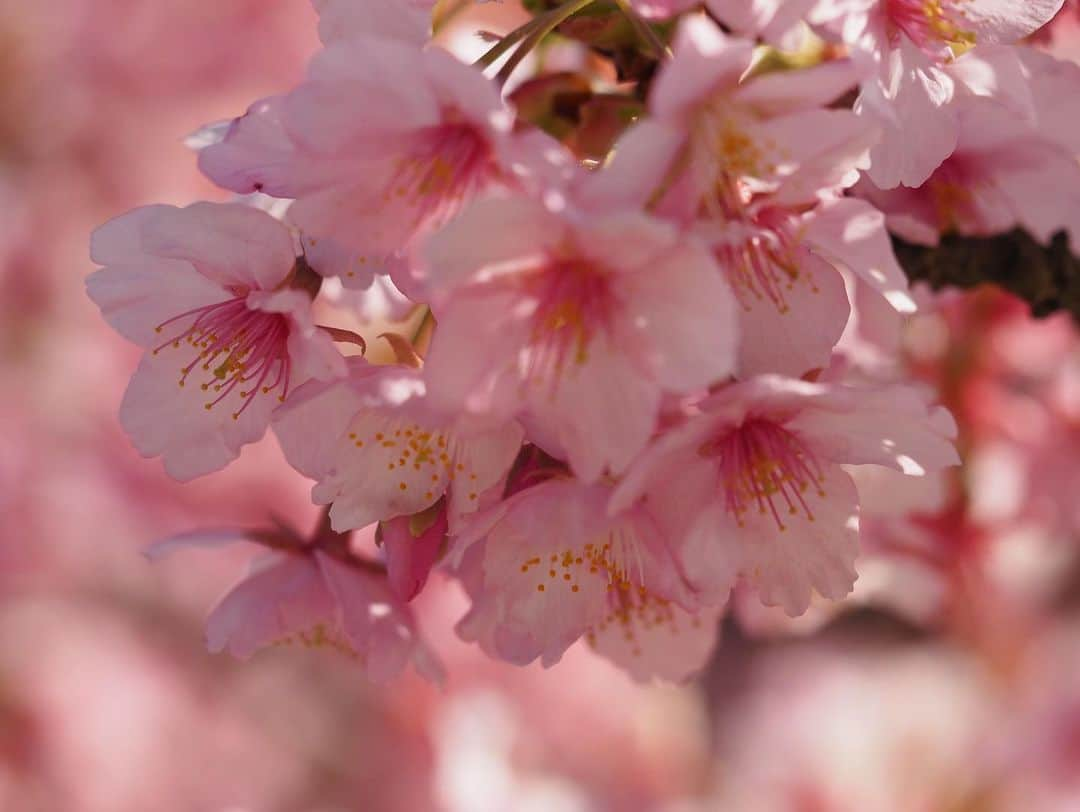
{"x":1046,"y":276}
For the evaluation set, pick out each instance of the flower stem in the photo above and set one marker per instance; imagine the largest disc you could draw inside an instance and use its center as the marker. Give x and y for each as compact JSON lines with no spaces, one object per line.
{"x":530,"y":35}
{"x":645,"y":31}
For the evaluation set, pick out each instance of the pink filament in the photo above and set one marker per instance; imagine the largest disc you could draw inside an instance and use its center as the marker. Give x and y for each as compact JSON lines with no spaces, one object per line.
{"x":762,"y":267}
{"x":442,"y":167}
{"x":574,"y":301}
{"x":239,"y":347}
{"x":930,"y":24}
{"x":766,"y":467}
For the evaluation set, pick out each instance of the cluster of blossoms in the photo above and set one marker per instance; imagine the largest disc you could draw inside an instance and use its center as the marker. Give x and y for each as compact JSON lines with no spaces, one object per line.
{"x":617,"y":366}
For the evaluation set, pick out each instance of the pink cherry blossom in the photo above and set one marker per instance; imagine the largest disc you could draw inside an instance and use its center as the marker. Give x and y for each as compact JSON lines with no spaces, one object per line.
{"x":732,"y":158}
{"x":383,"y":140}
{"x":752,"y":486}
{"x":313,"y":597}
{"x":908,"y":45}
{"x":206,"y":290}
{"x":581,"y":321}
{"x":716,"y":137}
{"x":1003,"y":173}
{"x":379,"y":449}
{"x":548,"y":565}
{"x":784,"y":266}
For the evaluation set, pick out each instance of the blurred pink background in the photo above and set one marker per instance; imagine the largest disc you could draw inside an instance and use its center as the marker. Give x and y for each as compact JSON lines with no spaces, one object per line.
{"x":950,"y":681}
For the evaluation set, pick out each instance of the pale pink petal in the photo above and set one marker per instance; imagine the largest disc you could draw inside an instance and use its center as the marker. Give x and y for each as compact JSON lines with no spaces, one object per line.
{"x":468,"y":91}
{"x":378,"y":627}
{"x":140,"y":293}
{"x":545,"y":531}
{"x":359,"y":90}
{"x":710,"y":554}
{"x":658,"y":640}
{"x":513,"y":229}
{"x":365,"y":223}
{"x":227,"y":242}
{"x":689,"y":505}
{"x":206,"y":539}
{"x":800,"y":336}
{"x":808,"y":166}
{"x":120,"y":240}
{"x":257,"y":155}
{"x":852,"y":234}
{"x":472,"y":364}
{"x":374,"y":476}
{"x":706,"y":61}
{"x":314,"y":355}
{"x":809,"y":555}
{"x":1005,"y":20}
{"x":914,"y":90}
{"x":683,"y":316}
{"x":1044,"y":194}
{"x":482,"y":457}
{"x":663,"y":461}
{"x":1052,"y":83}
{"x":641,"y":160}
{"x":284,"y":597}
{"x":171,"y":421}
{"x":661,"y":9}
{"x":1001,"y":73}
{"x":625,"y":241}
{"x":329,"y":257}
{"x":892,"y":426}
{"x":602,"y":411}
{"x":786,"y":92}
{"x":311,"y":423}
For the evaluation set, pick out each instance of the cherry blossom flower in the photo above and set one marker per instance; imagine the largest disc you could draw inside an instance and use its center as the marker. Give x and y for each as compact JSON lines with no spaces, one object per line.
{"x":583,"y":322}
{"x":785,"y":267}
{"x":635,"y":323}
{"x":752,"y":486}
{"x":379,"y":449}
{"x":318,"y":596}
{"x":209,"y":292}
{"x":733,"y":160}
{"x":1003,"y":173}
{"x":383,"y":140}
{"x":909,"y":45}
{"x":548,"y":565}
{"x":718,"y":135}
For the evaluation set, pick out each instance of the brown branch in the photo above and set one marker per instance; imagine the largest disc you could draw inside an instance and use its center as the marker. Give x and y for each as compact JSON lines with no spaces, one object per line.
{"x":1046,"y":276}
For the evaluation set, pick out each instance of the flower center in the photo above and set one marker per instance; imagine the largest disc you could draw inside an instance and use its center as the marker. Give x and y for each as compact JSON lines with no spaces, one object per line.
{"x":727,"y":159}
{"x":573,"y":301}
{"x":929,"y":23}
{"x":443,"y":166}
{"x":763,"y":267}
{"x":425,"y":460}
{"x":952,"y":192}
{"x":236,"y":349}
{"x":610,"y":558}
{"x":766,"y":467}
